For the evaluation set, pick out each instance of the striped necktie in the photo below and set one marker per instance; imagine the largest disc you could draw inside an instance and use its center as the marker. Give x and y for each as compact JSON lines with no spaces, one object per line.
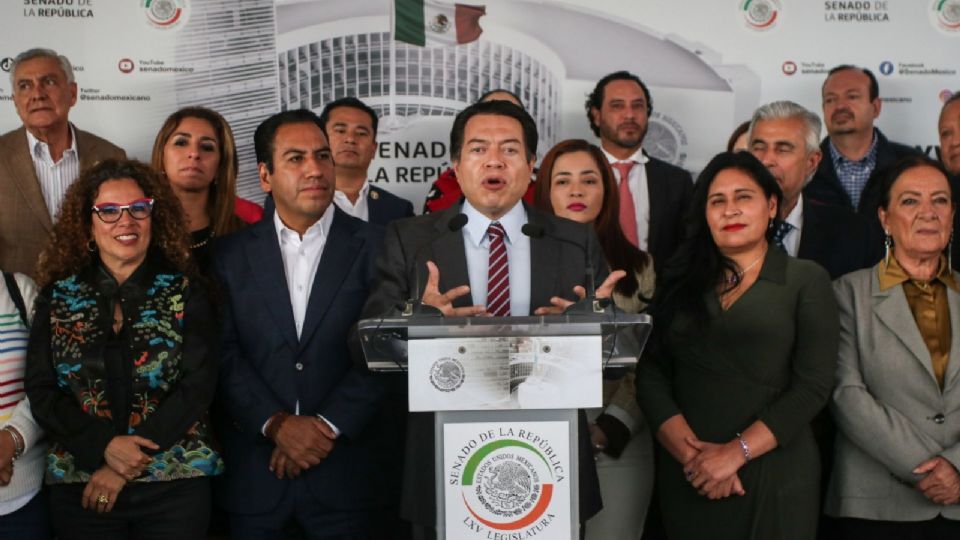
{"x":498,"y":275}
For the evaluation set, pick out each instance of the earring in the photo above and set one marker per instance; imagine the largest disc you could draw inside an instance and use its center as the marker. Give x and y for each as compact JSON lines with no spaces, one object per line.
{"x":91,"y":246}
{"x":887,"y":243}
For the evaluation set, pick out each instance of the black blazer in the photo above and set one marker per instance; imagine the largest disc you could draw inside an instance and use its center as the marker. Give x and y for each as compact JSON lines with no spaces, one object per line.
{"x":265,"y":368}
{"x":671,"y":190}
{"x":385,"y":207}
{"x":837,"y":239}
{"x":558,"y":267}
{"x":825,"y":186}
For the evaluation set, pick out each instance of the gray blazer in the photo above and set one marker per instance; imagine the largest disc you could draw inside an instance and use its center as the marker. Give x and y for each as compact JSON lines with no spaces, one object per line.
{"x":891,"y":415}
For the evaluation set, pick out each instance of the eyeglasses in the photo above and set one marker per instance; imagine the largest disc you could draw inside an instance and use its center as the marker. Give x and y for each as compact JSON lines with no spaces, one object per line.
{"x":111,"y":212}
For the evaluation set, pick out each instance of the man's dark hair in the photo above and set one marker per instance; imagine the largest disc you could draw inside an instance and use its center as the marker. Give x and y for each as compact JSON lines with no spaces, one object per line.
{"x":874,"y":85}
{"x":595,"y":99}
{"x":499,"y":108}
{"x":353,"y":103}
{"x":489,"y":93}
{"x":266,"y":132}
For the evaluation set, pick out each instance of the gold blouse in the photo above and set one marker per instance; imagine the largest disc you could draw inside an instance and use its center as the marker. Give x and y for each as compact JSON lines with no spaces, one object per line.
{"x":928,"y":304}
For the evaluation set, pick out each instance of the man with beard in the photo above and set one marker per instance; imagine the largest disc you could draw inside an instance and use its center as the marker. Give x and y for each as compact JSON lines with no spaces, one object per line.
{"x":653,"y":194}
{"x":854,"y":148}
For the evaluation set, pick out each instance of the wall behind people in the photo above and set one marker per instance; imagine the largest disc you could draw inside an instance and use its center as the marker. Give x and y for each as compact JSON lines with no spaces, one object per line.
{"x":710,"y":65}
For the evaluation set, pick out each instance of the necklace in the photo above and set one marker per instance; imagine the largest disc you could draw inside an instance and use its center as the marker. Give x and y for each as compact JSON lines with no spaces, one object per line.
{"x":203,"y":242}
{"x":736,"y":277}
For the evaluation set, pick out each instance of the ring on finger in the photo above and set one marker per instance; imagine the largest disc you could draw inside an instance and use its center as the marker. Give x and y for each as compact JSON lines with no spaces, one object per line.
{"x":103,"y":499}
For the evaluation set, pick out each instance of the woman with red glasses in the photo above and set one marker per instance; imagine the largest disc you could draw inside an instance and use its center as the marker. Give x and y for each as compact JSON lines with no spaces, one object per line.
{"x":120,"y":363}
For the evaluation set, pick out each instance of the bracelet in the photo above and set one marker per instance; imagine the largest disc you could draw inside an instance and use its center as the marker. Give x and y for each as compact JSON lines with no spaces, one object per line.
{"x":18,"y":442}
{"x":273,"y":426}
{"x":745,"y":447}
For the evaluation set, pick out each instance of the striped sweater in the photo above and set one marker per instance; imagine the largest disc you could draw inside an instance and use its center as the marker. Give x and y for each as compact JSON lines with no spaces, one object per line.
{"x":14,"y":408}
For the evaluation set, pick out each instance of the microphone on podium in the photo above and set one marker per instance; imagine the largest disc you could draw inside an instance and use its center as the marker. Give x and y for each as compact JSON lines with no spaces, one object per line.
{"x":590,"y":303}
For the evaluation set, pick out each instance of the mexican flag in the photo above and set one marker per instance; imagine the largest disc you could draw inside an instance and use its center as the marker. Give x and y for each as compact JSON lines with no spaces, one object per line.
{"x":429,"y":23}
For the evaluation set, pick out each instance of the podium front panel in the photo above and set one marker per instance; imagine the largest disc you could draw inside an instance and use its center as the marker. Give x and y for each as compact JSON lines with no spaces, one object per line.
{"x":507,"y":475}
{"x":505,"y":373}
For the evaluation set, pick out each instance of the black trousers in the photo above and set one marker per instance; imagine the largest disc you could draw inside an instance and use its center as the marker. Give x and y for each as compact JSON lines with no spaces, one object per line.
{"x":300,"y":515}
{"x":938,"y":528}
{"x":174,"y":510}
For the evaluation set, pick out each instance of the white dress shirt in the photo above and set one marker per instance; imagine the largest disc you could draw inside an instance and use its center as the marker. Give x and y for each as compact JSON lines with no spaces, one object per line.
{"x":54,"y":178}
{"x":359,"y":210}
{"x":477,"y":246}
{"x":301,"y":257}
{"x":639,"y":189}
{"x":791,"y":240}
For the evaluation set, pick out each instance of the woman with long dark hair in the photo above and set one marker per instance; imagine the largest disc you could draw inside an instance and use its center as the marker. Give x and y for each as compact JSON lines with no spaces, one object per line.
{"x":575,"y":182}
{"x":741,"y":359}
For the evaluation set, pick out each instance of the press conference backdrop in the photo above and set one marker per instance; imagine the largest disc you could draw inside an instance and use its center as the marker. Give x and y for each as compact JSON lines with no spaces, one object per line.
{"x":708,"y":64}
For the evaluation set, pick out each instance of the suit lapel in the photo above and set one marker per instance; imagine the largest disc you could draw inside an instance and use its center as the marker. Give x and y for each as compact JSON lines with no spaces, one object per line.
{"x":263,"y":255}
{"x":25,"y":176}
{"x":339,"y":252}
{"x":450,"y":256}
{"x":86,"y":149}
{"x":894,"y":312}
{"x":953,"y":365}
{"x":809,"y":239}
{"x":659,"y":199}
{"x":374,"y":207}
{"x":544,"y":263}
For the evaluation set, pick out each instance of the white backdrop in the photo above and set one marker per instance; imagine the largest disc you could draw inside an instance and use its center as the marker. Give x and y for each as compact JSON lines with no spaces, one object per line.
{"x":709,"y":63}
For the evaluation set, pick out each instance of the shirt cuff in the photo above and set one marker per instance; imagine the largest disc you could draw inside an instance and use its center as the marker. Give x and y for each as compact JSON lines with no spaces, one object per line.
{"x":336,"y":432}
{"x":631,"y":423}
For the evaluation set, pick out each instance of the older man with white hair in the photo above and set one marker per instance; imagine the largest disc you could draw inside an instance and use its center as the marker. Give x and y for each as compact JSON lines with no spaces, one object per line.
{"x":40,"y":159}
{"x":784,"y":136}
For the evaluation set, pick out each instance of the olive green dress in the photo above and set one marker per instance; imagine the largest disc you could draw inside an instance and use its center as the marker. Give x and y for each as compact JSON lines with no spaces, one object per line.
{"x":770,"y":356}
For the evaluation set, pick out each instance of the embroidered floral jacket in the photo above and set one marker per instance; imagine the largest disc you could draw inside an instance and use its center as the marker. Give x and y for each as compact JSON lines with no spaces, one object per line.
{"x":155,"y":378}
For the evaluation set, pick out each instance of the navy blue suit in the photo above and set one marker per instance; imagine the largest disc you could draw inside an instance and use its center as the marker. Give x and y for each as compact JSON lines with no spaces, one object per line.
{"x":385,"y":207}
{"x":837,"y":239}
{"x":266,"y":368}
{"x":825,"y":186}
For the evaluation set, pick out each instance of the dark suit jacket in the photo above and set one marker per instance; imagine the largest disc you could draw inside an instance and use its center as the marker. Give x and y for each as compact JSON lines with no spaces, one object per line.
{"x":266,"y":369}
{"x":25,"y":223}
{"x":385,"y":207}
{"x":825,"y":186}
{"x":671,"y":190}
{"x":837,"y":239}
{"x":558,"y":267}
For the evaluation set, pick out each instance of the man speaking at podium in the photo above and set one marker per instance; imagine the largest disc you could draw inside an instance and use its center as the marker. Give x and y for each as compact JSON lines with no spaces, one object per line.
{"x":490,"y":255}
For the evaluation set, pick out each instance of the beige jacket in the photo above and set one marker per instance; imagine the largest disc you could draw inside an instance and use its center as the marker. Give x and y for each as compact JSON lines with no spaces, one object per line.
{"x":25,"y":223}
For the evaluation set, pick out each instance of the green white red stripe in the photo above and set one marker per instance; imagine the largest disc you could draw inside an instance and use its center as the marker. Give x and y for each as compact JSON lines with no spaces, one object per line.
{"x":429,"y":23}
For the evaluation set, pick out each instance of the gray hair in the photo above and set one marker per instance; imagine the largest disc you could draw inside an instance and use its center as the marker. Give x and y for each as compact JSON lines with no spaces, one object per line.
{"x":38,"y":52}
{"x":782,"y":110}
